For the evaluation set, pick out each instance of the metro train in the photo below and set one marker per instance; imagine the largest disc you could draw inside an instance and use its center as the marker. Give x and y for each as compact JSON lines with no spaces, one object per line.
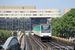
{"x":44,"y":31}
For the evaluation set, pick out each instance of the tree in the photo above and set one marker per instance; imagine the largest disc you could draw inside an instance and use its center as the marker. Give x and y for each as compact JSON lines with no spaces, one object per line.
{"x":65,"y":24}
{"x":53,"y":20}
{"x":4,"y":34}
{"x":29,"y":33}
{"x":23,"y":31}
{"x":14,"y":33}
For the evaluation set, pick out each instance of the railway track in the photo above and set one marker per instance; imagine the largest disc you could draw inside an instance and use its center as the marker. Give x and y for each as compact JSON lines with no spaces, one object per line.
{"x":63,"y":45}
{"x":53,"y":45}
{"x":50,"y":46}
{"x":31,"y":43}
{"x":34,"y":43}
{"x":42,"y":44}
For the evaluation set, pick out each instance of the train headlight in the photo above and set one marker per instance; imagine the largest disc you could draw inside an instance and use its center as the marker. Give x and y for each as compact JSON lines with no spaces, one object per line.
{"x":49,"y":35}
{"x":41,"y":35}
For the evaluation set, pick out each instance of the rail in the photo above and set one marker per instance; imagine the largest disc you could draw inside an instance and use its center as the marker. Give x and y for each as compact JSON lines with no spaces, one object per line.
{"x":60,"y":45}
{"x":50,"y":48}
{"x":42,"y":43}
{"x":37,"y":43}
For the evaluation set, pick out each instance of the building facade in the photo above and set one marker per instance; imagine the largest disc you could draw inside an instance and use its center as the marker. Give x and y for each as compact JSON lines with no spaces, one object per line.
{"x":25,"y":17}
{"x":65,"y":11}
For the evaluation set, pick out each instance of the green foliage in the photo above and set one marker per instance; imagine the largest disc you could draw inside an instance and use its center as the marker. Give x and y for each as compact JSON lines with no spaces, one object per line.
{"x":14,"y":33}
{"x":65,"y":24}
{"x":4,"y":34}
{"x":22,"y":31}
{"x":53,"y":20}
{"x":29,"y":33}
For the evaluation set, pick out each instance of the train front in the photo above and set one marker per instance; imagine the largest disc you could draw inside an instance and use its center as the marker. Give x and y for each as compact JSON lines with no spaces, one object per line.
{"x":46,"y":30}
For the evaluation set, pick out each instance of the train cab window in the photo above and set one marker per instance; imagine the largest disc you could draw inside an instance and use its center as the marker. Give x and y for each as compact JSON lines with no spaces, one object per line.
{"x":45,"y":28}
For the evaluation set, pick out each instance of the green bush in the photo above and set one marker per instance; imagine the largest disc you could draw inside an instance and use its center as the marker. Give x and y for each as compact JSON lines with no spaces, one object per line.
{"x":22,"y":31}
{"x":14,"y":33}
{"x":29,"y":33}
{"x":4,"y":34}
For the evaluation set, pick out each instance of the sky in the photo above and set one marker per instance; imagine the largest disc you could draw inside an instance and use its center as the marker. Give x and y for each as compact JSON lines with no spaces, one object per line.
{"x":41,"y":4}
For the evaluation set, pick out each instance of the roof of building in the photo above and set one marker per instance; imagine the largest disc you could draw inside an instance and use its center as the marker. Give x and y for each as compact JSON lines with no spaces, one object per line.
{"x":17,"y":7}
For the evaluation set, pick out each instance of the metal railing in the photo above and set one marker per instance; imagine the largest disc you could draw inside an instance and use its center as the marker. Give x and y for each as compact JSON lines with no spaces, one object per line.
{"x":25,"y":43}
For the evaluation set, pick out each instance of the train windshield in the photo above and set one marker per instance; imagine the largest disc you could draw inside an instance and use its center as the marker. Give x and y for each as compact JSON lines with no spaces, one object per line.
{"x":45,"y":28}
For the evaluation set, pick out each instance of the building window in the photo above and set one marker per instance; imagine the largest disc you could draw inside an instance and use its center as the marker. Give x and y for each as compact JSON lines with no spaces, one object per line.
{"x":18,"y":11}
{"x":57,"y":14}
{"x":34,"y":14}
{"x":21,"y":17}
{"x":26,"y":11}
{"x":22,"y":14}
{"x":47,"y":11}
{"x":1,"y":11}
{"x":41,"y":14}
{"x":15,"y":11}
{"x":6,"y":14}
{"x":2,"y":17}
{"x":28,"y":14}
{"x":11,"y":14}
{"x":12,"y":11}
{"x":45,"y":14}
{"x":1,"y":14}
{"x":7,"y":11}
{"x":14,"y":14}
{"x":7,"y":18}
{"x":55,"y":11}
{"x":21,"y":26}
{"x":15,"y":18}
{"x":39,"y":11}
{"x":33,"y":11}
{"x":21,"y":11}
